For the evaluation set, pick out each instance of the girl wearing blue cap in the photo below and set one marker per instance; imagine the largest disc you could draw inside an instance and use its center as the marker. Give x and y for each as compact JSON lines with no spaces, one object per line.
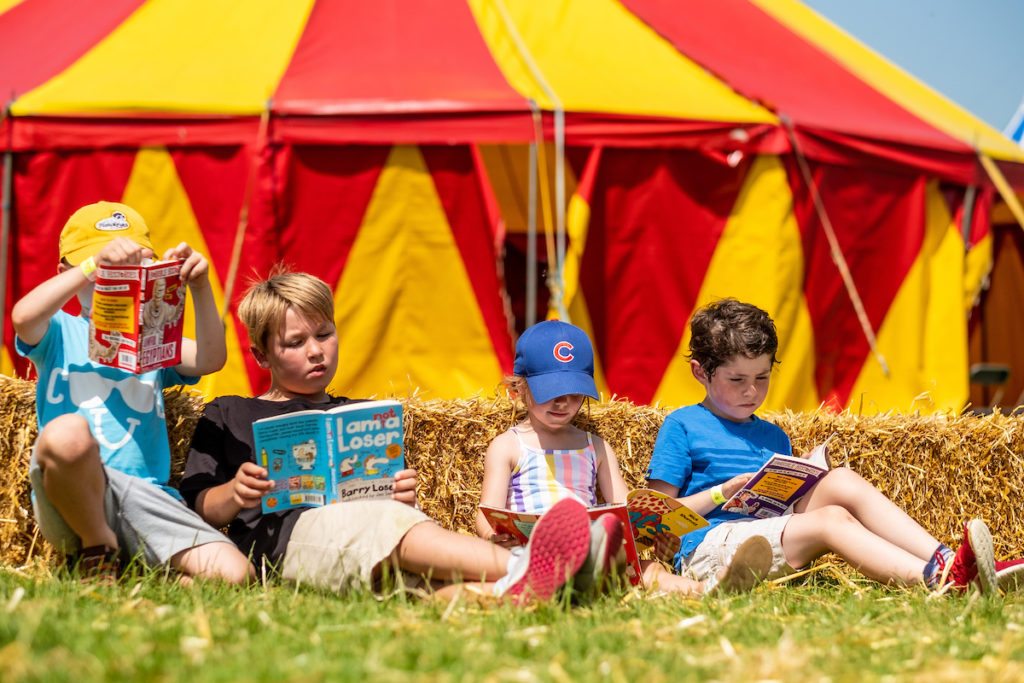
{"x":546,"y":458}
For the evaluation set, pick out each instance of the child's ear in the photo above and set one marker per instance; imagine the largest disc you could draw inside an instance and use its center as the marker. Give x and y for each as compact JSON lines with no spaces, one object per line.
{"x":698,"y":372}
{"x":61,"y":267}
{"x":261,"y":358}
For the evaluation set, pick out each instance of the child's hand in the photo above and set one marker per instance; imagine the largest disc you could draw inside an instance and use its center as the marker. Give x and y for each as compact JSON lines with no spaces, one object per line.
{"x":195,"y":269}
{"x":731,"y":487}
{"x":249,"y":485}
{"x":504,"y":540}
{"x":666,"y":546}
{"x":405,"y":487}
{"x":122,"y":251}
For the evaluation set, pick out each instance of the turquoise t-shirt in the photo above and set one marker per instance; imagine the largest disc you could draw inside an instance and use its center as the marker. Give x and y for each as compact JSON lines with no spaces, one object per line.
{"x":125,"y":411}
{"x":696,"y":450}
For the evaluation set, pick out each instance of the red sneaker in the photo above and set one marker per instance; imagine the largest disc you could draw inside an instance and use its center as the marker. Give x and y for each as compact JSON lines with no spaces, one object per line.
{"x":974,"y":561}
{"x":558,"y":546}
{"x":606,"y":534}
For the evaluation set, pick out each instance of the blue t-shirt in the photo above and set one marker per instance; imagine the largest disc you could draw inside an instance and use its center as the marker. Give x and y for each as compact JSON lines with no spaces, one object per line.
{"x":125,"y":411}
{"x":696,"y":450}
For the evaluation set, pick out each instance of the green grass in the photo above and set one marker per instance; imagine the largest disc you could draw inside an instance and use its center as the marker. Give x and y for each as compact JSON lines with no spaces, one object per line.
{"x":814,"y":629}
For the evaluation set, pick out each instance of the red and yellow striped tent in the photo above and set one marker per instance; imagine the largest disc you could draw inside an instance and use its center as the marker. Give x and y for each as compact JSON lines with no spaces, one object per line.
{"x":682,"y":151}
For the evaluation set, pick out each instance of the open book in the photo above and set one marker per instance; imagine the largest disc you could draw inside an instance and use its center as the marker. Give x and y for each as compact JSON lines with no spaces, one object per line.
{"x":137,"y":316}
{"x":652,"y":512}
{"x":519,"y":525}
{"x":780,"y":483}
{"x":318,"y":457}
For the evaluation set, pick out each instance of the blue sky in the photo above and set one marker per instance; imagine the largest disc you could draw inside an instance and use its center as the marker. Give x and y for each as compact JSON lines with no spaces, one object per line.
{"x":971,"y":51}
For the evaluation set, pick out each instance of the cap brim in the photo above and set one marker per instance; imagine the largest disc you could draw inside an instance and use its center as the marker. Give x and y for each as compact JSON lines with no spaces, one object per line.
{"x":551,"y":385}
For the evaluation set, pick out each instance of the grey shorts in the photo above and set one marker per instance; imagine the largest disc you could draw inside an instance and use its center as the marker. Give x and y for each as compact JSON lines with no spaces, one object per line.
{"x":337,"y":547}
{"x":718,"y":547}
{"x":149,"y":523}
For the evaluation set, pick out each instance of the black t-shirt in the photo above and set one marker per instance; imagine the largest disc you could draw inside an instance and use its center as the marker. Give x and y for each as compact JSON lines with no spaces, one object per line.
{"x":222,"y":442}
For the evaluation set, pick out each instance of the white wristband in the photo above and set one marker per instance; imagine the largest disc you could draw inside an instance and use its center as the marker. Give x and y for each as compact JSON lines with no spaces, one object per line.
{"x":716,"y":494}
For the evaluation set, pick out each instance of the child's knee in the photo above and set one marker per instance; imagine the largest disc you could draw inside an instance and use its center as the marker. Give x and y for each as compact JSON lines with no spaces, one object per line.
{"x":843,"y":478}
{"x":65,"y":440}
{"x":833,"y":518}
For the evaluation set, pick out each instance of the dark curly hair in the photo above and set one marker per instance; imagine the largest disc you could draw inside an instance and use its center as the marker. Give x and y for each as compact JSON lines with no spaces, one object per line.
{"x":728,"y":328}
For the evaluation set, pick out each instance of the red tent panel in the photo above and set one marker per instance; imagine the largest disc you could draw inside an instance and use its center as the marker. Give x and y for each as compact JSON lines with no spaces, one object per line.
{"x":879,"y":223}
{"x":656,"y":217}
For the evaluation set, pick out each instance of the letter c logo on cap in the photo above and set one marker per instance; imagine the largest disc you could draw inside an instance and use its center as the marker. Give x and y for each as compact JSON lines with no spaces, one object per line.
{"x":563,"y":352}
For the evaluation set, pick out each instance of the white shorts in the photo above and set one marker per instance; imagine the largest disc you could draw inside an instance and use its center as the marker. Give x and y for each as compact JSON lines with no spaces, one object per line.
{"x":337,"y":547}
{"x":149,"y":523}
{"x":718,"y":547}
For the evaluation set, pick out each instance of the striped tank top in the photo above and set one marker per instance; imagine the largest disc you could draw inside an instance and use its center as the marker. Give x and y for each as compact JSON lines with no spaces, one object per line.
{"x":541,"y":478}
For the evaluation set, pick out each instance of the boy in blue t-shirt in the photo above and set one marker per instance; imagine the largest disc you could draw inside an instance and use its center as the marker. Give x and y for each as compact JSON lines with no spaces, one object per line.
{"x":100,"y":465}
{"x":707,"y":452}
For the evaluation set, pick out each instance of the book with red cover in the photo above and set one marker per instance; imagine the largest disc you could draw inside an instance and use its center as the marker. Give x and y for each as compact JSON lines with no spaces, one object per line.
{"x":137,"y":316}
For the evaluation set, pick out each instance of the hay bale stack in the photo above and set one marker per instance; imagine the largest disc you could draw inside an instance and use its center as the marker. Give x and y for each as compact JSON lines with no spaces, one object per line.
{"x":941,"y":469}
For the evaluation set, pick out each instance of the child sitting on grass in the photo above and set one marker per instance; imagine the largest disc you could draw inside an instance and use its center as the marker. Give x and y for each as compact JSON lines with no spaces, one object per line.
{"x":546,"y":458}
{"x":707,"y":452}
{"x":290,"y":322}
{"x":100,"y":465}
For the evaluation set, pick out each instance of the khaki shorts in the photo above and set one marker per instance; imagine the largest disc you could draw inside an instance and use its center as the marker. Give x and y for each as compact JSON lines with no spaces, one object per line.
{"x":720,"y":544}
{"x":149,"y":523}
{"x":337,"y":547}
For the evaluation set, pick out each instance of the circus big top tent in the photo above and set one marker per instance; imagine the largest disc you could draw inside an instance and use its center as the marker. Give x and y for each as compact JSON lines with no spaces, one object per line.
{"x":667,"y":153}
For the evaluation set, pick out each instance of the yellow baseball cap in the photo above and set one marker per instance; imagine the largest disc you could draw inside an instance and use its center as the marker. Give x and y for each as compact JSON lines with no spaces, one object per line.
{"x":94,"y":225}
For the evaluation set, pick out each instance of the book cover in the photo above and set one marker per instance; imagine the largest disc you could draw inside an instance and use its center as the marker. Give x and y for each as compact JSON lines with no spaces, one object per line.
{"x":137,"y":316}
{"x":652,"y":512}
{"x":315,"y":458}
{"x":520,"y":525}
{"x":780,"y":483}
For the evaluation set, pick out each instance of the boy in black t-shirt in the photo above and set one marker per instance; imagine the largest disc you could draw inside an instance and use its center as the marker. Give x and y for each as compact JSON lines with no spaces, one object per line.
{"x":290,"y":321}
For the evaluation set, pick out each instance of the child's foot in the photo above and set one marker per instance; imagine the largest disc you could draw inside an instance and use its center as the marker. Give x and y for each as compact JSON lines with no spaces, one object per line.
{"x":558,"y":546}
{"x":1010,"y":575}
{"x":97,"y":564}
{"x":974,"y":561}
{"x":749,"y":566}
{"x":606,"y":535}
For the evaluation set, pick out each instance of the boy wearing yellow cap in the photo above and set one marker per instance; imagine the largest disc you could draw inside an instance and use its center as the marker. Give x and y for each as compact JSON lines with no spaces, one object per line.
{"x":100,"y":465}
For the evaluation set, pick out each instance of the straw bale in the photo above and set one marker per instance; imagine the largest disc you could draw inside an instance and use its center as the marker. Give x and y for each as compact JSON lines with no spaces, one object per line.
{"x":941,"y":469}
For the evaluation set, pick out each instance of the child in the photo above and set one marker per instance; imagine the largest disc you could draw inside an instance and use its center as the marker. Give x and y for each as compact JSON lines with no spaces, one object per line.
{"x":546,"y":458}
{"x":100,"y":465}
{"x":707,"y":452}
{"x":290,"y":322}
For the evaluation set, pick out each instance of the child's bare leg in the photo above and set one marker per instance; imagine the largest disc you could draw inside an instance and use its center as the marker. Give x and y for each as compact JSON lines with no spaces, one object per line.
{"x":657,"y":578}
{"x":431,"y":550}
{"x":219,"y":560}
{"x":833,"y":528}
{"x":845,"y":488}
{"x":73,"y":478}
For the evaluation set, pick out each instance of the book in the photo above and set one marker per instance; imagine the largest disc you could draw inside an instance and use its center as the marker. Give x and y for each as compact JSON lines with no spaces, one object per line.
{"x":137,"y":316}
{"x":780,"y":483}
{"x":319,"y":457}
{"x":520,"y":525}
{"x":652,"y":512}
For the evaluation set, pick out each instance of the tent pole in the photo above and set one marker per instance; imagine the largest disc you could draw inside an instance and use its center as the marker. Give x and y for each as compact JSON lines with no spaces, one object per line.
{"x":967,"y":219}
{"x":1002,"y":186}
{"x":531,"y":239}
{"x":7,"y":202}
{"x":556,"y":283}
{"x":560,"y":200}
{"x":243,"y":214}
{"x":833,"y":243}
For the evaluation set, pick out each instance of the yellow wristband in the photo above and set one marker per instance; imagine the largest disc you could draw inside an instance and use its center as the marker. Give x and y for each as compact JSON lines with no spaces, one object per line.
{"x":88,"y":266}
{"x":716,"y":494}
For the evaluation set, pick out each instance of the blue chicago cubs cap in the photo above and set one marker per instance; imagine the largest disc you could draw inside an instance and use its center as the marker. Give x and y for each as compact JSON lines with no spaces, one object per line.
{"x":556,"y":359}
